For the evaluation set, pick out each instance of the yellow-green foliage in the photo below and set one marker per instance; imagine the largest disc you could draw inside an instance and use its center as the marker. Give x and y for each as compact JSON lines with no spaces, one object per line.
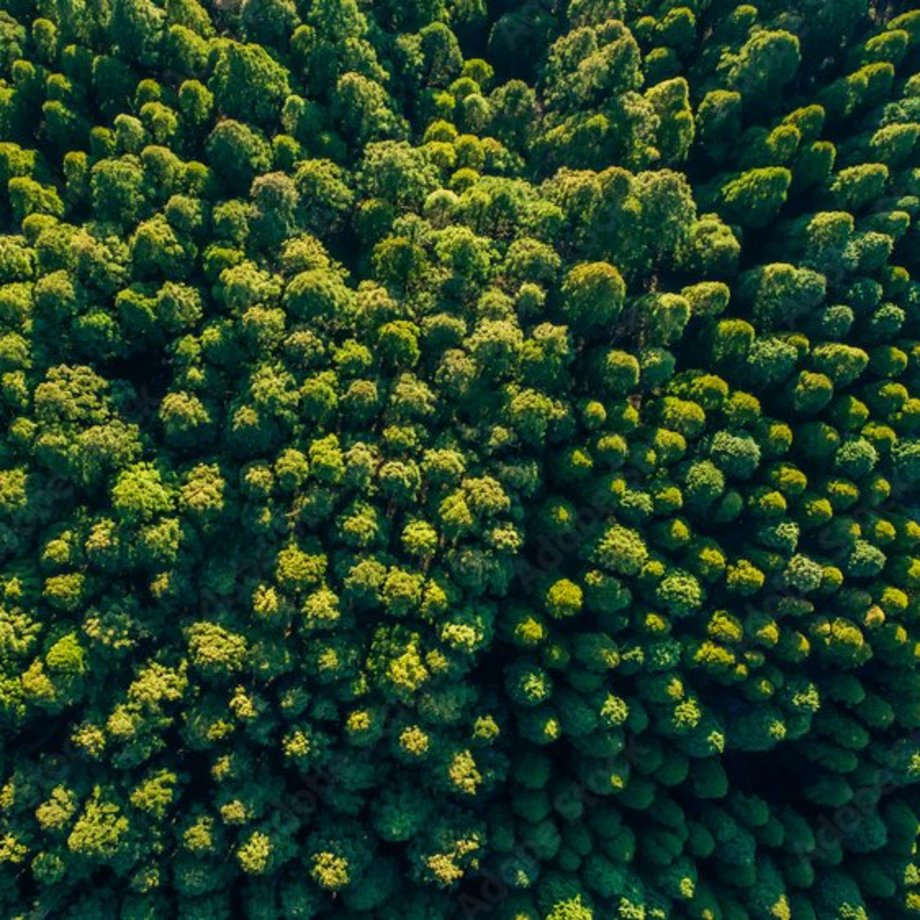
{"x":459,"y":459}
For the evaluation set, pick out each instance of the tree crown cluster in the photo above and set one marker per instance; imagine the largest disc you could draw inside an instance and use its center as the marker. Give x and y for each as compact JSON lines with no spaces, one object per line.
{"x":459,"y":459}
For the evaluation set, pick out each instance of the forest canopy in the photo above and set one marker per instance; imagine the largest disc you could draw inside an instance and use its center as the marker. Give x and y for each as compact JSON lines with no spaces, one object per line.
{"x":459,"y":459}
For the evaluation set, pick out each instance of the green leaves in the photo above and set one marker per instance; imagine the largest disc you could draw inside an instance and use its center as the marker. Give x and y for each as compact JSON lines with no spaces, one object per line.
{"x":765,"y":63}
{"x":754,"y":198}
{"x":425,"y":492}
{"x":593,"y":296}
{"x":247,"y":82}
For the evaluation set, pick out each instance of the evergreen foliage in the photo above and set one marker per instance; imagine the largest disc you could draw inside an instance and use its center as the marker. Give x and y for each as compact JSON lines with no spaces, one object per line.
{"x":459,"y":458}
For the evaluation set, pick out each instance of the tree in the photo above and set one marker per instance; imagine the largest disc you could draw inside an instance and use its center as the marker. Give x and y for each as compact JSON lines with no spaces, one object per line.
{"x":361,"y":107}
{"x":755,"y":197}
{"x":137,"y":30}
{"x":268,"y":22}
{"x":238,"y":153}
{"x":765,"y":63}
{"x":247,"y":82}
{"x":117,"y":187}
{"x":593,"y":296}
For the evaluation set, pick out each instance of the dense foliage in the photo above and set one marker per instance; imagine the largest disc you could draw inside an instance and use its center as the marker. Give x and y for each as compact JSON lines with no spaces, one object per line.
{"x":458,"y":459}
